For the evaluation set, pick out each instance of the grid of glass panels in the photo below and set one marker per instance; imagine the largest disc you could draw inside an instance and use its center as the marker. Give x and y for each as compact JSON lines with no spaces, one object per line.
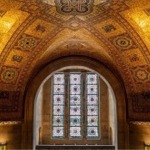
{"x":58,"y":105}
{"x":69,"y":88}
{"x":92,"y":105}
{"x":75,"y":116}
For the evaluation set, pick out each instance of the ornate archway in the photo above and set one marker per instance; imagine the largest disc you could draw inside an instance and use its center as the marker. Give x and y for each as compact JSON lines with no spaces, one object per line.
{"x":114,"y":82}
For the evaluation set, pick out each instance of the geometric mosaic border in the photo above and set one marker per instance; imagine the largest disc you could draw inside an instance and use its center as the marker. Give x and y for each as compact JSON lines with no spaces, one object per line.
{"x":11,"y":97}
{"x":141,"y":102}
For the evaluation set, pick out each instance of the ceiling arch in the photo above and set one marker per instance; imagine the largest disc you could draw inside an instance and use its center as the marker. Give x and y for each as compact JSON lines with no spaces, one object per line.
{"x":115,"y":30}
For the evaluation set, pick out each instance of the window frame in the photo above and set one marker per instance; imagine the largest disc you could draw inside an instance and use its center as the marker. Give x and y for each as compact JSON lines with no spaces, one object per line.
{"x":83,"y":140}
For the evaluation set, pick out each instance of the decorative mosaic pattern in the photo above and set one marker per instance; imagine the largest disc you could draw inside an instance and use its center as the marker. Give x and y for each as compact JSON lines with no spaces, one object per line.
{"x":74,"y":7}
{"x":9,"y":75}
{"x":138,"y":102}
{"x":142,"y":74}
{"x":17,"y":58}
{"x":26,"y":43}
{"x":40,"y":28}
{"x":109,"y":28}
{"x":74,"y":24}
{"x":134,"y":58}
{"x":12,"y":101}
{"x":101,"y":12}
{"x":123,"y":42}
{"x":120,"y":6}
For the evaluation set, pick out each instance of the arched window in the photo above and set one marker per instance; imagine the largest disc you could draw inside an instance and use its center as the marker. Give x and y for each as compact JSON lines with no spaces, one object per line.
{"x":75,"y":105}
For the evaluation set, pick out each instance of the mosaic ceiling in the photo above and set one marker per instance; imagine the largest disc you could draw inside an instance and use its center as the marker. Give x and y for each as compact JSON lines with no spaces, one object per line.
{"x":117,"y":32}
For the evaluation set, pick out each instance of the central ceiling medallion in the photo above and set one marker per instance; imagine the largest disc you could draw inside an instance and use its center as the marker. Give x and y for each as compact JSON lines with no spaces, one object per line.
{"x":74,"y":7}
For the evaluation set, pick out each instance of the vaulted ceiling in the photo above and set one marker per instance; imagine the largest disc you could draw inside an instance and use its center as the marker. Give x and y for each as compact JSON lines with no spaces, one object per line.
{"x":34,"y":32}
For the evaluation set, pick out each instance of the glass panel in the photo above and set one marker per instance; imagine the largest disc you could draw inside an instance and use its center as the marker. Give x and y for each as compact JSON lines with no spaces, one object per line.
{"x":58,"y":132}
{"x":92,"y":105}
{"x":92,"y":89}
{"x":58,"y":121}
{"x":75,"y":78}
{"x":92,"y":110}
{"x":59,"y":89}
{"x":58,"y":110}
{"x":75,"y":99}
{"x":58,"y":105}
{"x":59,"y":79}
{"x":75,"y":102}
{"x":92,"y":120}
{"x":92,"y":79}
{"x":75,"y":132}
{"x":75,"y":105}
{"x":75,"y":120}
{"x":75,"y":89}
{"x":92,"y":132}
{"x":75,"y":110}
{"x":92,"y":100}
{"x":58,"y":99}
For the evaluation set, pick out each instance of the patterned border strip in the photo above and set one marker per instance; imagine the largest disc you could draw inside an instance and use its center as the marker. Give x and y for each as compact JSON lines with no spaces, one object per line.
{"x":139,"y":123}
{"x":10,"y":123}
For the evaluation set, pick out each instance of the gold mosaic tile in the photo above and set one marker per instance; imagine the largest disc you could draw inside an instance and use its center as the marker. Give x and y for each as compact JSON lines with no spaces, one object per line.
{"x":140,"y":22}
{"x":109,"y":28}
{"x":9,"y":23}
{"x":8,"y":5}
{"x":40,"y":28}
{"x":16,"y":58}
{"x":134,"y":57}
{"x":23,"y":23}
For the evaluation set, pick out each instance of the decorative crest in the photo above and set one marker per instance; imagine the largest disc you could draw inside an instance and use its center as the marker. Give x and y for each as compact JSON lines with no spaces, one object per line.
{"x":74,"y":7}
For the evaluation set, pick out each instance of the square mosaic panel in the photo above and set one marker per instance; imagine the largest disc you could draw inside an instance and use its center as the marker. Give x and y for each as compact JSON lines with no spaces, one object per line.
{"x":123,"y":42}
{"x":9,"y":75}
{"x":26,"y":43}
{"x":40,"y":28}
{"x":134,"y":57}
{"x":109,"y":28}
